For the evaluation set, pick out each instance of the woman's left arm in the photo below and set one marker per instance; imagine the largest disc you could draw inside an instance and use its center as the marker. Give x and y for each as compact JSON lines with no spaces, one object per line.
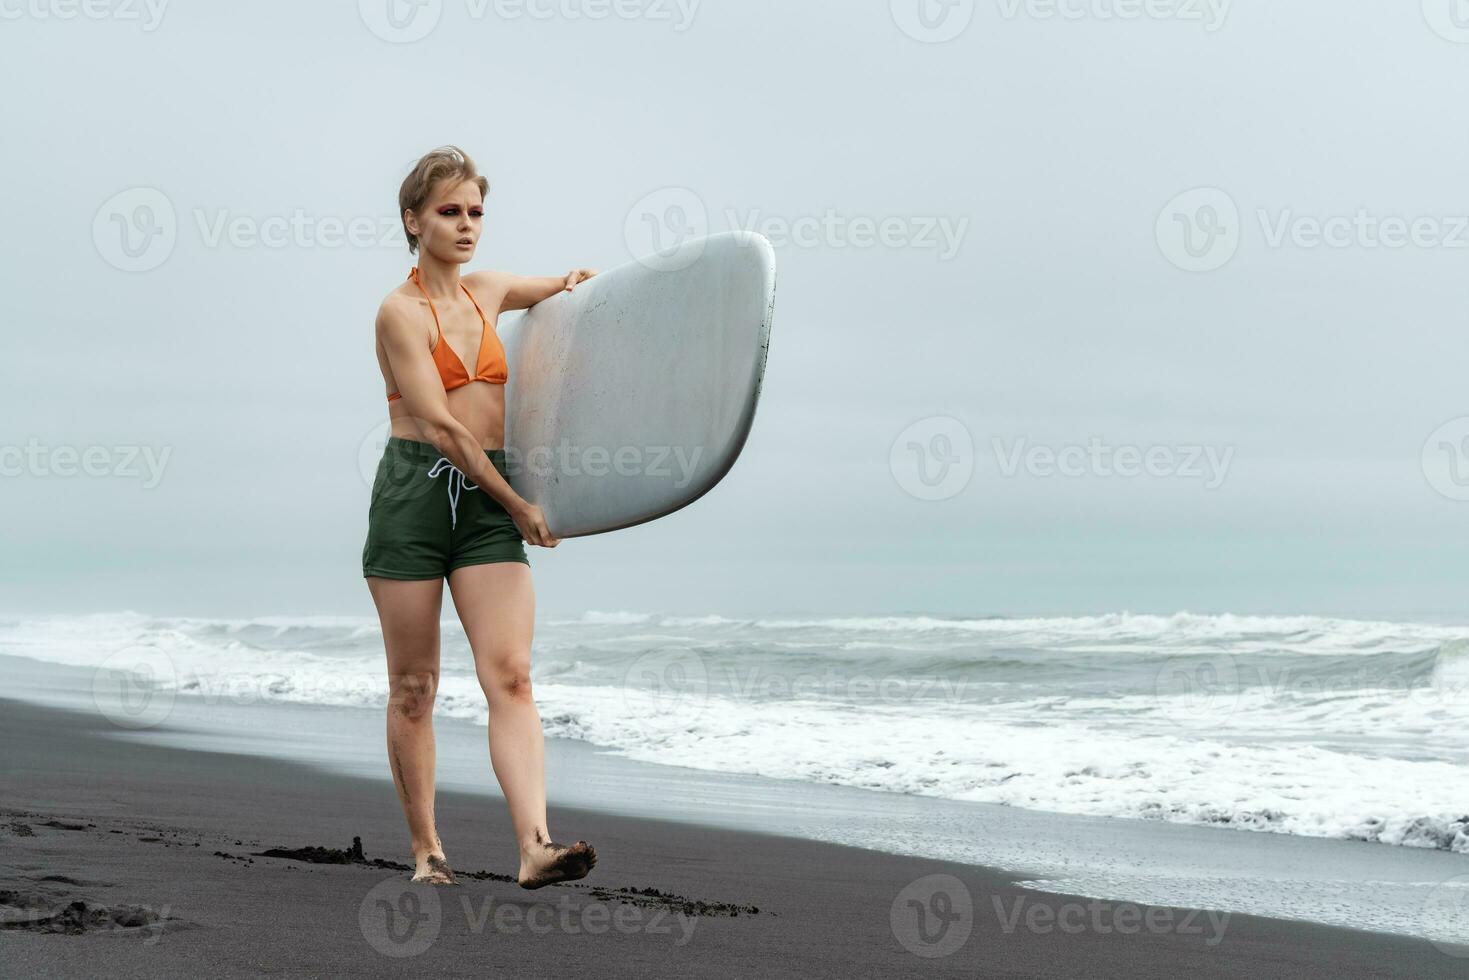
{"x":523,"y":292}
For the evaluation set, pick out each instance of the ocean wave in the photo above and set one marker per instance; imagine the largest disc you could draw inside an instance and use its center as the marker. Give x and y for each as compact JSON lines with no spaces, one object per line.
{"x":1302,"y":633}
{"x":1065,"y":765}
{"x":1300,"y":725}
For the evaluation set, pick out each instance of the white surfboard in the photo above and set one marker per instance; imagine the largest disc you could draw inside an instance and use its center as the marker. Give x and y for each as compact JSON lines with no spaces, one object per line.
{"x":631,"y":396}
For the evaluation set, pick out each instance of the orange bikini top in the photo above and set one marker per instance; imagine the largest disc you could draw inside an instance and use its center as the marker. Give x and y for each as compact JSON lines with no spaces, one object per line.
{"x":489,"y":363}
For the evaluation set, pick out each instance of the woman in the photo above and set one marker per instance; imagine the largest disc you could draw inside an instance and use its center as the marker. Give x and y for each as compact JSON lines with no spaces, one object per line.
{"x":441,"y":508}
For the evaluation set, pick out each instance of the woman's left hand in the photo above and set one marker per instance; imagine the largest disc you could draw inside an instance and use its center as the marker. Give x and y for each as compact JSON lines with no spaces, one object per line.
{"x":578,"y":275}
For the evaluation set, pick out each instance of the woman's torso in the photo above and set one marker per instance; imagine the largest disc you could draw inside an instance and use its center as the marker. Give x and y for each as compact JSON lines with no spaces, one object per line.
{"x":479,"y":405}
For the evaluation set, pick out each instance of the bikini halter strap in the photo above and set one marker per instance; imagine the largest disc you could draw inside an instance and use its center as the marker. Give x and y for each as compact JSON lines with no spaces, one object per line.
{"x":413,"y":274}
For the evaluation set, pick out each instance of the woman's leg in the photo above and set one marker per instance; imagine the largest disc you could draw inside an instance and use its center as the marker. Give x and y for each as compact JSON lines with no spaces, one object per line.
{"x":409,"y":613}
{"x":496,"y":605}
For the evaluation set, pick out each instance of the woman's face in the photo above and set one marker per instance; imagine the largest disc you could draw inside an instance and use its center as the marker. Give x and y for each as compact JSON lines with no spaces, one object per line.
{"x":449,"y":225}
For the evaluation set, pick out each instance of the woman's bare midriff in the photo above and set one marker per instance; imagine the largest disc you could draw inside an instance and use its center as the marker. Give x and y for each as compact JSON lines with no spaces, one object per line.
{"x":479,"y":406}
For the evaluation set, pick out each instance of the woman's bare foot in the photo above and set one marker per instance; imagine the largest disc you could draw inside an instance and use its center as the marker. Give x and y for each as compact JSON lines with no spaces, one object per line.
{"x":546,"y":862}
{"x":433,"y":869}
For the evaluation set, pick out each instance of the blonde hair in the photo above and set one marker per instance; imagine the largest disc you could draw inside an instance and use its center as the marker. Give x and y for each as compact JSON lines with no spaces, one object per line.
{"x":444,"y":163}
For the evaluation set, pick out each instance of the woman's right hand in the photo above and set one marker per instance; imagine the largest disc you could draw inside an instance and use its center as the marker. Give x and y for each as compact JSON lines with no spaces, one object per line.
{"x":532,"y":524}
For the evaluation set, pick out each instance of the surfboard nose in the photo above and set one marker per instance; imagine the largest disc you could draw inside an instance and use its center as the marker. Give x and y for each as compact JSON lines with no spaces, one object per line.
{"x":630,"y":400}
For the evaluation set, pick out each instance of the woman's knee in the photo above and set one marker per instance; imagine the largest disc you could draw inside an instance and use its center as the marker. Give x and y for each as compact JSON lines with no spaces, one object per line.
{"x":411,"y":694}
{"x":506,"y":677}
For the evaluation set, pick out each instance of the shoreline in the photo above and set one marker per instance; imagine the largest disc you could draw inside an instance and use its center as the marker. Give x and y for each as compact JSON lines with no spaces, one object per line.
{"x":121,"y":824}
{"x":1351,"y":884}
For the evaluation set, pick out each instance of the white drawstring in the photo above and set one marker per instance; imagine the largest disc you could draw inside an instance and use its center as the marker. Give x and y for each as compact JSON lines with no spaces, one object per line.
{"x":455,"y":485}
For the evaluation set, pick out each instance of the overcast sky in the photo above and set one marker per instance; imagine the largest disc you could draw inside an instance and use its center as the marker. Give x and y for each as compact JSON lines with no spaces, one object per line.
{"x":1024,"y":250}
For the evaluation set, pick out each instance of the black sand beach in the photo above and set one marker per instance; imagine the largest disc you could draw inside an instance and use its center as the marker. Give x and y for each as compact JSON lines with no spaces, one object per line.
{"x":128,"y":859}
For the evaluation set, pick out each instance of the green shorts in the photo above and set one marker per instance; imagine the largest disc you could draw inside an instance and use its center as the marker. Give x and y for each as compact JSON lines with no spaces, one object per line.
{"x":426,"y":519}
